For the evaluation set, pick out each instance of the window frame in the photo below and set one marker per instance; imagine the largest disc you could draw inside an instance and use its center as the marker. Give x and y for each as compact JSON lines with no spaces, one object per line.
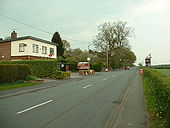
{"x":44,"y":50}
{"x":51,"y":51}
{"x":35,"y":48}
{"x":21,"y":47}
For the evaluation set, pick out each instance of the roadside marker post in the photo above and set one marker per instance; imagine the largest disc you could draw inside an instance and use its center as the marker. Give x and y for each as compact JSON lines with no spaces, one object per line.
{"x":141,"y":71}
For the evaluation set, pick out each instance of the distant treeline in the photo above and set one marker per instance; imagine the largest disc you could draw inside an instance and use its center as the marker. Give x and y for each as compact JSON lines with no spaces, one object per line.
{"x":164,"y":66}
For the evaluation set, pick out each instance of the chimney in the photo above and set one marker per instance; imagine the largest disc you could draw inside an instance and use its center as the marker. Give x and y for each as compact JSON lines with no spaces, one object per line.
{"x":13,"y":35}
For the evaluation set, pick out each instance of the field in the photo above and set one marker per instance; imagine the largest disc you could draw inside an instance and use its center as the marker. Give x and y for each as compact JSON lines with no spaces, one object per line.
{"x":164,"y":71}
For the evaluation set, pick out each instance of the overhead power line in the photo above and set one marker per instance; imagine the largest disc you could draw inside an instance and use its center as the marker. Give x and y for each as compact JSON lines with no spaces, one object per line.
{"x":7,"y":17}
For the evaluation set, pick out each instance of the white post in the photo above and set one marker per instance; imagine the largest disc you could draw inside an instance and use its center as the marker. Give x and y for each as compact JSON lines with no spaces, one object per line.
{"x":88,"y":59}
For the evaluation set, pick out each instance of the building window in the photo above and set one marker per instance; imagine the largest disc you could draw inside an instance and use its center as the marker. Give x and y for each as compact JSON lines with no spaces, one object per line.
{"x":52,"y":51}
{"x":44,"y":50}
{"x":35,"y":48}
{"x":21,"y":47}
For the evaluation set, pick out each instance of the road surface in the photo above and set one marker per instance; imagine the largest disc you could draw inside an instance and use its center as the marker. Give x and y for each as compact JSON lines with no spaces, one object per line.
{"x":110,"y":100}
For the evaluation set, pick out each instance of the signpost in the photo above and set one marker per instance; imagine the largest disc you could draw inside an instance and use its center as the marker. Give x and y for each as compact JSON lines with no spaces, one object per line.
{"x":148,"y":60}
{"x":83,"y":65}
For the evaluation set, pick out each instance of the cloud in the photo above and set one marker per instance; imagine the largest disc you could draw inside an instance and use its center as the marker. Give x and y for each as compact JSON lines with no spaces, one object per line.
{"x":153,"y":6}
{"x":151,"y":19}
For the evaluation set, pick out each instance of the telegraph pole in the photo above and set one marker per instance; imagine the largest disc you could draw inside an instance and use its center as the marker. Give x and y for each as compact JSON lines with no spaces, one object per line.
{"x":107,"y":59}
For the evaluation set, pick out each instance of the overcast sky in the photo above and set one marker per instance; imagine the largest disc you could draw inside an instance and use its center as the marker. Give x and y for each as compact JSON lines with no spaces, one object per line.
{"x":78,"y":20}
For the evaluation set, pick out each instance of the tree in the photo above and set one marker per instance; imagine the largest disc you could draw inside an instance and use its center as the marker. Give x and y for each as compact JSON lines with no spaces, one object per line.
{"x":122,"y":57}
{"x":66,"y":45}
{"x":57,"y":39}
{"x":111,"y":36}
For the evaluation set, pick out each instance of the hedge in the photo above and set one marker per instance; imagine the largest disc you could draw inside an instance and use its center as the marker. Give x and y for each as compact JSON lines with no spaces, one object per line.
{"x":39,"y":68}
{"x":13,"y":72}
{"x":160,"y":88}
{"x":97,"y":67}
{"x":61,"y":75}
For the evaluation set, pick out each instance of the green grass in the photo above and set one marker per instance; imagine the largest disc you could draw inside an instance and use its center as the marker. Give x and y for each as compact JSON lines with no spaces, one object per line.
{"x":153,"y":116}
{"x":156,"y":91}
{"x":164,"y":71}
{"x":16,"y":85}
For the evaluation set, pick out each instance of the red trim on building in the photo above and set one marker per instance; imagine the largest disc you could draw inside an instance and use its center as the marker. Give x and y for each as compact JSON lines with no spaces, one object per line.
{"x":28,"y":57}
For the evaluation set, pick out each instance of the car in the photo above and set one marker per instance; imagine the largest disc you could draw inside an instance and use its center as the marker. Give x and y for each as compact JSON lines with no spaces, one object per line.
{"x":126,"y":68}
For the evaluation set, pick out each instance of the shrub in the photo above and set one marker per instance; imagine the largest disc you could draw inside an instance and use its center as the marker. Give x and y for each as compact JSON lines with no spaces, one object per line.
{"x":13,"y":72}
{"x":61,"y":74}
{"x":30,"y":77}
{"x":160,"y":88}
{"x":97,"y":67}
{"x":39,"y":68}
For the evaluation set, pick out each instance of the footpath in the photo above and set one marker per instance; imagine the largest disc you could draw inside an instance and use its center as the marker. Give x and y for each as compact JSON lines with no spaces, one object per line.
{"x":132,"y":111}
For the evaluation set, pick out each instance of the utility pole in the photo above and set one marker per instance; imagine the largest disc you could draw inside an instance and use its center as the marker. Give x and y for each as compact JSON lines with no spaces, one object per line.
{"x":107,"y":58}
{"x":88,"y":59}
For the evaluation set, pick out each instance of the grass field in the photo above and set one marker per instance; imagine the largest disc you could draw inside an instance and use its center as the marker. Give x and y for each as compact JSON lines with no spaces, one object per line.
{"x":164,"y":71}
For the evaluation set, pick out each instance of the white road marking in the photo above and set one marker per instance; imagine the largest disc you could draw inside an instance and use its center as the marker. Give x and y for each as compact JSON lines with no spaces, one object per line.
{"x":34,"y":106}
{"x":87,"y":86}
{"x":104,"y":79}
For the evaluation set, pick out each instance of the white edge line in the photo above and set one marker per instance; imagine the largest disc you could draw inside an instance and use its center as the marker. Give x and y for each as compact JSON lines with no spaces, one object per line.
{"x":104,"y":79}
{"x":87,"y":86}
{"x":34,"y":106}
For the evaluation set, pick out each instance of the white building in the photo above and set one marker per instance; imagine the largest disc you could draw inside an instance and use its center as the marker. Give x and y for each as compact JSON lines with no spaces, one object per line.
{"x":27,"y":47}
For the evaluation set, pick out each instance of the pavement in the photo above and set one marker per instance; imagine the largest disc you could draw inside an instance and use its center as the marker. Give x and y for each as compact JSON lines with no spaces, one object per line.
{"x":105,"y":100}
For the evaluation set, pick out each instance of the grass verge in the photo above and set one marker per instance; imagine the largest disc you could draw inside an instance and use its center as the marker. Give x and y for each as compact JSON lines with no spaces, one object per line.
{"x":16,"y":85}
{"x":154,"y":118}
{"x":157,"y":95}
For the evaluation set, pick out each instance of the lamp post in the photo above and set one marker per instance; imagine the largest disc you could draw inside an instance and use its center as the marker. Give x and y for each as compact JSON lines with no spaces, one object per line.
{"x":88,"y":59}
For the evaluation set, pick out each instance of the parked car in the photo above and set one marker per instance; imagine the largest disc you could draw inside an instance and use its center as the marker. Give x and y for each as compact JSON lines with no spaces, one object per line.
{"x":126,"y":68}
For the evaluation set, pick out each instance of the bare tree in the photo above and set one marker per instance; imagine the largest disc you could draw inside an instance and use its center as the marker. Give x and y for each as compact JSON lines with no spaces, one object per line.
{"x":112,"y":35}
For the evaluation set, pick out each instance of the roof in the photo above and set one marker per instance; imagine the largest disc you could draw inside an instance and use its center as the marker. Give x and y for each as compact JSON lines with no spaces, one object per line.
{"x":27,"y":37}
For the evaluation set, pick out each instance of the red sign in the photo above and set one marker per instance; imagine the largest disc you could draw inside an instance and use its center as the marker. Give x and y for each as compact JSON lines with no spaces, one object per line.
{"x":83,"y":65}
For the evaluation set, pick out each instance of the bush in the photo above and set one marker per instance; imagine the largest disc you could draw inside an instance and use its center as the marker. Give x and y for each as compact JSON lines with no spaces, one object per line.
{"x":97,"y":67}
{"x":61,"y":74}
{"x":13,"y":72}
{"x":39,"y":68}
{"x":160,"y":90}
{"x":30,"y":77}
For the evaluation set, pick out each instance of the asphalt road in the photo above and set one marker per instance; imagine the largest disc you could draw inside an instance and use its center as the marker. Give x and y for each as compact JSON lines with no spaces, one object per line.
{"x":110,"y":100}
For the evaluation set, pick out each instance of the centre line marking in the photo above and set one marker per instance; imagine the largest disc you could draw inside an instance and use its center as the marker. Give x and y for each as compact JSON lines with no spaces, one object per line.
{"x":87,"y":86}
{"x":34,"y":106}
{"x":104,"y":79}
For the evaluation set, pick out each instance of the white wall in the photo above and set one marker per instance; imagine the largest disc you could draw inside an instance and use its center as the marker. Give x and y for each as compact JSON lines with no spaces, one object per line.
{"x":29,"y":48}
